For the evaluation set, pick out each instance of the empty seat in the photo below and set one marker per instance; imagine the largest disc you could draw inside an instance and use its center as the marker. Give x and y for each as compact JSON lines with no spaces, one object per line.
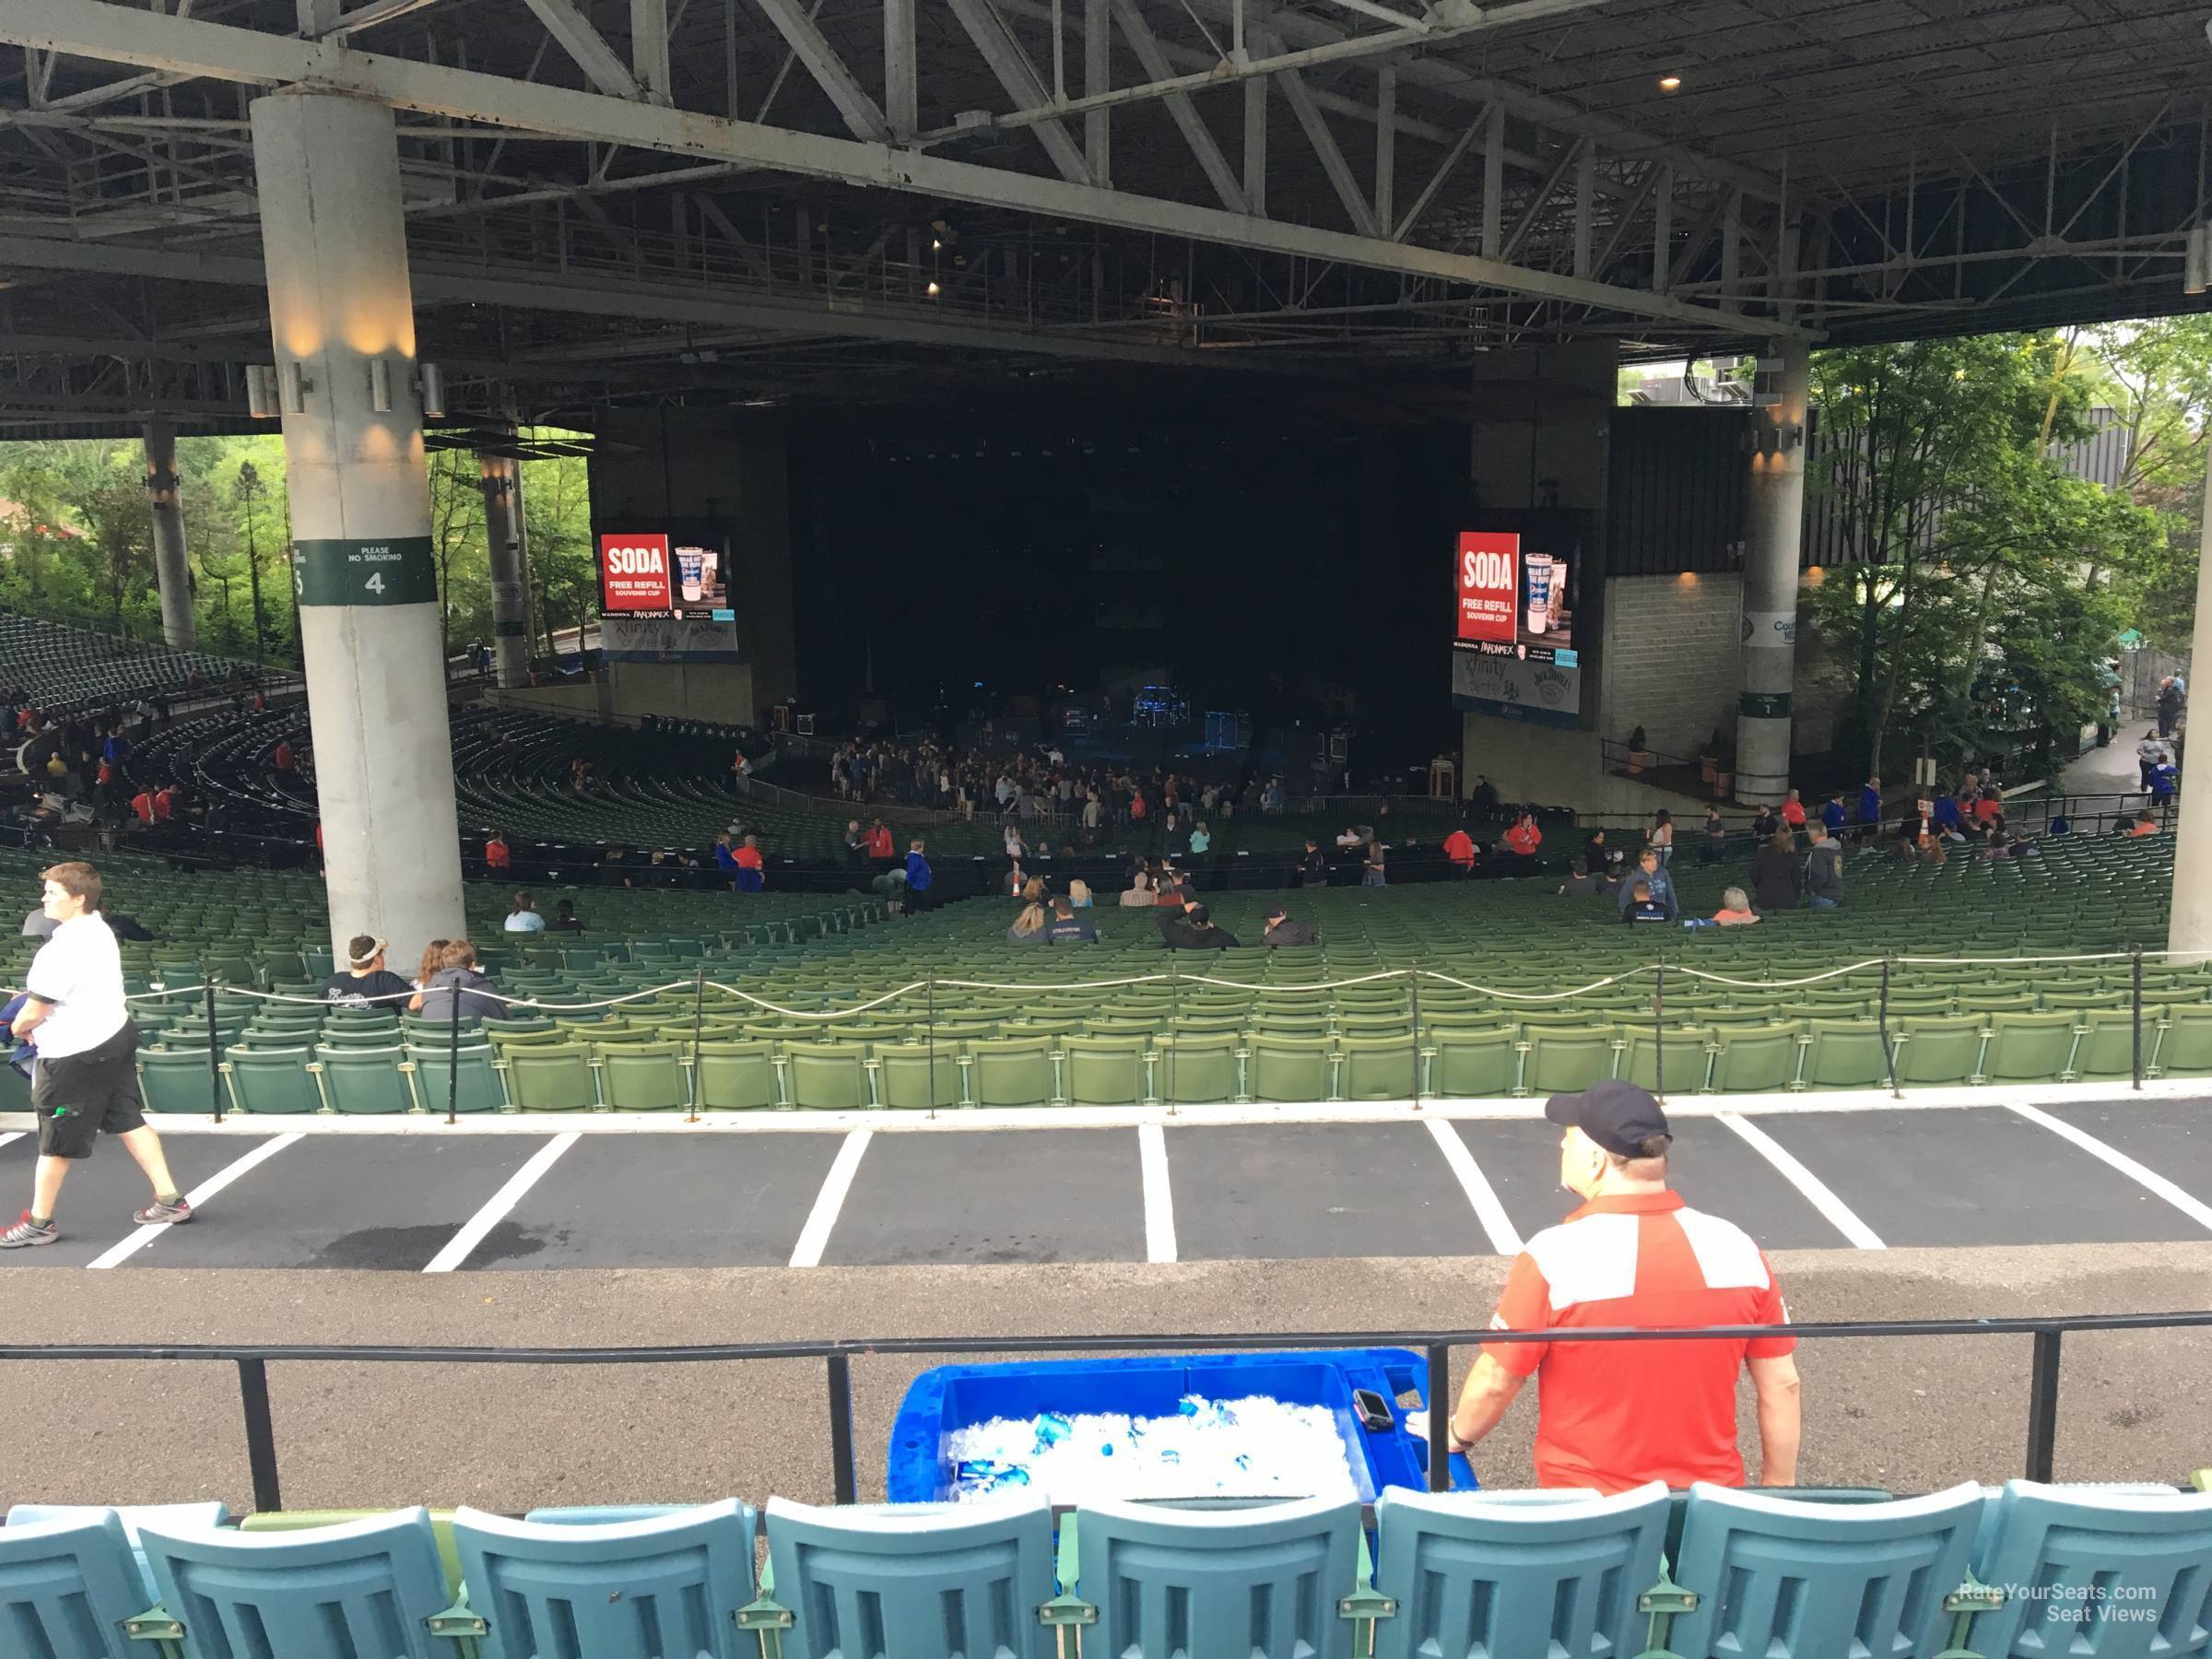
{"x":363,"y":1080}
{"x":1255,"y":1583}
{"x":463,"y":1079}
{"x":67,"y":1585}
{"x":735,"y":1077}
{"x":1551,"y":1574}
{"x":921,"y":1580}
{"x":1471,"y":1064}
{"x":644,"y":1077}
{"x":1375,"y":1068}
{"x":2030,"y":1047}
{"x":1013,"y":1071}
{"x":2084,"y":1552}
{"x":1843,"y":1053}
{"x":1941,"y":1050}
{"x":1786,"y":1579}
{"x":273,"y":1082}
{"x":176,"y":1080}
{"x":629,"y":1589}
{"x":551,"y":1078}
{"x":827,"y":1077}
{"x":1197,"y":1070}
{"x":1682,"y":1058}
{"x":1761,"y":1059}
{"x":1289,"y":1068}
{"x":919,"y":1077}
{"x":1567,"y":1059}
{"x":1104,"y":1071}
{"x":341,"y":1592}
{"x":2186,"y":1044}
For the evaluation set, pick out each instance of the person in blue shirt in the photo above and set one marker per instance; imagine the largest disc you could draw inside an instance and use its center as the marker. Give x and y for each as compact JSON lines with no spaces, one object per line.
{"x":1946,"y":814}
{"x":1068,"y":928}
{"x":918,"y":876}
{"x":1832,"y":815}
{"x":1870,"y":802}
{"x":726,"y":857}
{"x":1658,"y":884}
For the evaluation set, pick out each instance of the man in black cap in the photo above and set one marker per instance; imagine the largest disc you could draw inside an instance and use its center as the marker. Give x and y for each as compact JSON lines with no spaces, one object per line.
{"x":1195,"y":930}
{"x":1282,"y":930}
{"x":1615,"y":1415}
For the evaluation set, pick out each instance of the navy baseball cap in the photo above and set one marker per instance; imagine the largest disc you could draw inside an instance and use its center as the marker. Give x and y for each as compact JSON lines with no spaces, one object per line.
{"x":1615,"y":1113}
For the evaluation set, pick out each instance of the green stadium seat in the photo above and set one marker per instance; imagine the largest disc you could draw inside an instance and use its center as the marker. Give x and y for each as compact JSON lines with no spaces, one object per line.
{"x":1932,"y":1052}
{"x":737,"y":1076}
{"x":1017,"y":1071}
{"x":917,"y":1075}
{"x":2185,"y":1045}
{"x":275,"y":1082}
{"x":1567,"y":1059}
{"x":827,"y":1077}
{"x":468,"y":1081}
{"x":365,"y":1081}
{"x":1289,"y":1068}
{"x":1191,"y":1071}
{"x":551,"y":1078}
{"x":176,"y":1080}
{"x":642,"y":1076}
{"x":1471,"y":1063}
{"x":1376,"y":1067}
{"x":1686,"y":1051}
{"x":1105,"y":1071}
{"x":1759,"y":1059}
{"x":2030,"y":1047}
{"x":2107,"y":1048}
{"x":1842,"y":1054}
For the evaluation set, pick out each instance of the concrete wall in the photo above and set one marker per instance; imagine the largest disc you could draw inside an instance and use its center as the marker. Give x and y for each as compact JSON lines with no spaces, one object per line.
{"x":1671,"y":659}
{"x":718,"y":691}
{"x":1554,"y":768}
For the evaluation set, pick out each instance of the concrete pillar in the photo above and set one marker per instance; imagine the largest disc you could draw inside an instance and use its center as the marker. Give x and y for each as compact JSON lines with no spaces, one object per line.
{"x":2189,"y":923}
{"x":172,"y":574}
{"x":343,"y":322}
{"x":502,"y":480}
{"x":1773,"y":527}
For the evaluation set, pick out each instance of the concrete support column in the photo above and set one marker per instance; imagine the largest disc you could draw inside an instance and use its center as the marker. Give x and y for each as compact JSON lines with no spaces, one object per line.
{"x":172,"y":574}
{"x":1773,"y":527}
{"x":2189,"y":923}
{"x":343,"y":322}
{"x":502,"y":480}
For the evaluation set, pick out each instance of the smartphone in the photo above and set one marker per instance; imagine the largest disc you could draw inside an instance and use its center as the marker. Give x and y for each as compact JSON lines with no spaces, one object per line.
{"x":1372,"y":1410}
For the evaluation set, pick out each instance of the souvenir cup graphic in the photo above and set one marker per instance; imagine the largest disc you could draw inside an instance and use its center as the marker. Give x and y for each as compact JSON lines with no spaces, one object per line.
{"x":1538,"y":576}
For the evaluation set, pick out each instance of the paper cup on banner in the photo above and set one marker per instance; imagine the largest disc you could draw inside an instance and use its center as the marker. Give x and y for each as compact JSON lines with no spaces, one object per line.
{"x":691,"y":568}
{"x":1538,"y":574}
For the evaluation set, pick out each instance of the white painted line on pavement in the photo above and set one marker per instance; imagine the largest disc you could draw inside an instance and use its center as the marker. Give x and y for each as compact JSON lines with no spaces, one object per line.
{"x":2150,"y":1179}
{"x":198,"y":1195}
{"x":1817,"y":1190}
{"x":16,"y":1136}
{"x":458,"y":1247}
{"x":1505,"y":1238}
{"x":1159,"y":1197}
{"x":814,"y":1237}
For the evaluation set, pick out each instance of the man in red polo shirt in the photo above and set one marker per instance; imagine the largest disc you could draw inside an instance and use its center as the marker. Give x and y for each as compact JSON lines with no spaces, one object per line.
{"x":1615,"y":1415}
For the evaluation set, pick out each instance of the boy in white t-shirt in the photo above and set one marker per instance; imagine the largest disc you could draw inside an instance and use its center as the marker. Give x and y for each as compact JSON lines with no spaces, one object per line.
{"x":86,"y":1078}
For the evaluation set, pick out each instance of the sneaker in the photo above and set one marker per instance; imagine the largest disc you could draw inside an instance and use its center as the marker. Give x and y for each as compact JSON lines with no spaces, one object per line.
{"x":24,"y":1233}
{"x":157,"y":1213}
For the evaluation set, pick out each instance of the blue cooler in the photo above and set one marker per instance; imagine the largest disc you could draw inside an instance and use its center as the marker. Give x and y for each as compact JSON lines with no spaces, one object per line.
{"x":953,"y":1396}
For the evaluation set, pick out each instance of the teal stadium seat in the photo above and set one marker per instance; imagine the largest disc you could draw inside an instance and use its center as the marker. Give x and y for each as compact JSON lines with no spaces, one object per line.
{"x":67,"y":1586}
{"x":363,"y":1587}
{"x":1513,"y":1573}
{"x":1255,"y":1583}
{"x":940,"y":1581}
{"x":1785,"y":1579}
{"x":629,"y":1589}
{"x":2082,"y":1549}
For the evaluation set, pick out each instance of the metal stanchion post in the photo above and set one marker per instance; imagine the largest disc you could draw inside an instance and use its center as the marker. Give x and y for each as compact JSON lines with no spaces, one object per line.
{"x":1440,"y":1417}
{"x":699,"y":1017}
{"x":2135,"y":1004}
{"x":933,"y":1043}
{"x":1881,"y":1026}
{"x":214,"y":1074}
{"x":452,"y":1059}
{"x":1413,"y":984}
{"x":1659,"y":1028}
{"x":2042,"y":1405}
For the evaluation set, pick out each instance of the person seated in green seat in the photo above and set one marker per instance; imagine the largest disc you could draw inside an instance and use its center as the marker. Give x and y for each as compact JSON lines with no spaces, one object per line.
{"x":1066,"y":927}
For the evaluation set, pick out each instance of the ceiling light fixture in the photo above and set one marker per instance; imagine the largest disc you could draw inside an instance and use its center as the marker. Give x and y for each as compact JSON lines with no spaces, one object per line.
{"x":1670,"y":83}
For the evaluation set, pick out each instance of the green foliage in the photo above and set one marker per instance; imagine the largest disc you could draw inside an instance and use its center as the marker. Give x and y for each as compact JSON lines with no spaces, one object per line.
{"x":81,"y":549}
{"x":1989,"y":587}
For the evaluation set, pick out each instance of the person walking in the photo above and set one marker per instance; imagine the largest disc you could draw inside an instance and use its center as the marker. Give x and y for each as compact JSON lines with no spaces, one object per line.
{"x":85,"y":1081}
{"x":1612,"y":1416}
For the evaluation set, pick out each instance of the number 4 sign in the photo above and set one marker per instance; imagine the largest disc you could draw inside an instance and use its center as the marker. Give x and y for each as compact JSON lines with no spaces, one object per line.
{"x":397,"y":571}
{"x":1488,"y":580}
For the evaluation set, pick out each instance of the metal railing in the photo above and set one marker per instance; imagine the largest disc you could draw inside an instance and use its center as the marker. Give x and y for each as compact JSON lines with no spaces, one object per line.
{"x":252,"y":1360}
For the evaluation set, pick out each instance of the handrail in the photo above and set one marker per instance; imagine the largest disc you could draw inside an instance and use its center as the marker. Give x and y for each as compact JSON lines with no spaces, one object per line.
{"x":837,"y":1354}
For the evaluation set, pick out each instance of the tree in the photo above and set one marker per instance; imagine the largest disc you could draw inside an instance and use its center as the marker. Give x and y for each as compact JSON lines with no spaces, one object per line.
{"x":1983,"y":588}
{"x":557,"y":514}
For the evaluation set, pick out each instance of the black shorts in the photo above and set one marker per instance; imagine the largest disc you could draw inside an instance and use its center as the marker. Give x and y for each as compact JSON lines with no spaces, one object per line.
{"x":77,"y":1097}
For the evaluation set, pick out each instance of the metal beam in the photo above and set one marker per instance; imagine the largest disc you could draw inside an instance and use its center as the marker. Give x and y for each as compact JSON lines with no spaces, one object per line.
{"x":1098,"y":78}
{"x":649,"y":50}
{"x":829,"y":70}
{"x":1255,"y":144}
{"x":1003,"y":53}
{"x":1386,"y":148}
{"x":1460,"y":147}
{"x":1541,"y":200}
{"x":902,"y":101}
{"x":368,"y":16}
{"x":1331,"y":160}
{"x":1195,"y":133}
{"x":116,"y":33}
{"x":585,"y":46}
{"x":1585,"y":178}
{"x":1493,"y":181}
